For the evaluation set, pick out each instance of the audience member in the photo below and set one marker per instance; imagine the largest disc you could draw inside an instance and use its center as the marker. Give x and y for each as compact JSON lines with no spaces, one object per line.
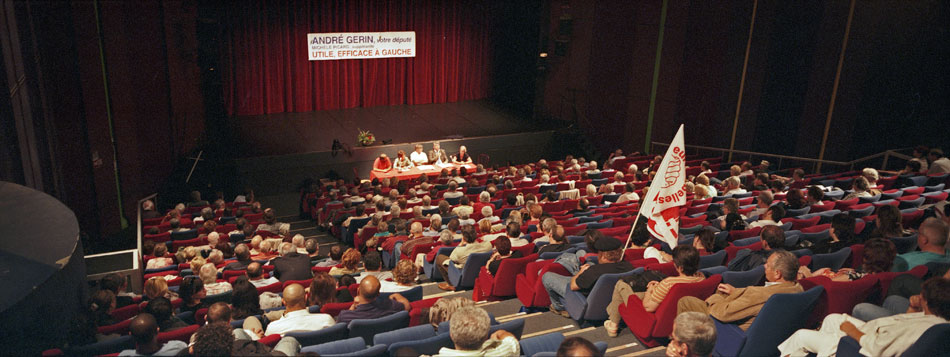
{"x":209,"y":275}
{"x":349,"y":263}
{"x":886,"y":336}
{"x":502,"y":251}
{"x":144,"y":331}
{"x":367,"y":305}
{"x":296,"y":318}
{"x":741,"y":305}
{"x":772,"y":216}
{"x":245,"y":300}
{"x":403,"y":276}
{"x":117,"y":285}
{"x":773,"y":237}
{"x":162,"y":311}
{"x":336,"y":254}
{"x":255,"y":274}
{"x":156,"y":287}
{"x":160,"y":259}
{"x":609,"y":257}
{"x":694,"y":334}
{"x":470,"y":330}
{"x":192,"y":291}
{"x":686,"y":262}
{"x":932,"y":240}
{"x":373,"y":265}
{"x":291,"y":265}
{"x":459,"y":255}
{"x":577,"y":347}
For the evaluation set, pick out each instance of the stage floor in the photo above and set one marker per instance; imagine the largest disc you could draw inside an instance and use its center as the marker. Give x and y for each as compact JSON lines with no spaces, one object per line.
{"x":293,"y":133}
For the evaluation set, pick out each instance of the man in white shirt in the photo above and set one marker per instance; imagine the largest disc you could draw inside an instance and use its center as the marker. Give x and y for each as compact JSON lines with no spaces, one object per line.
{"x":418,"y":157}
{"x":771,"y":217}
{"x":255,"y":275}
{"x":732,"y":186}
{"x":939,"y":164}
{"x":296,"y":317}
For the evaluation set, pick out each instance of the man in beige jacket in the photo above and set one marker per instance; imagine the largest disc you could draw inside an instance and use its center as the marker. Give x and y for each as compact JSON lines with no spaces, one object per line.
{"x":741,"y":305}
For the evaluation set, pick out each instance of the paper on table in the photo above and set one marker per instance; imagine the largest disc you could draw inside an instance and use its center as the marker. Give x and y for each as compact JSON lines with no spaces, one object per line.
{"x":425,"y":167}
{"x":445,"y":165}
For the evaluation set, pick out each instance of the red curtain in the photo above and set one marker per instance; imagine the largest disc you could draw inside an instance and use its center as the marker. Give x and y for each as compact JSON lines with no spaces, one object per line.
{"x":268,"y":71}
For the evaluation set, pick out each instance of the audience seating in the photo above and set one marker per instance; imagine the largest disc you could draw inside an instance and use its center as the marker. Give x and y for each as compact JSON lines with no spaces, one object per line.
{"x":547,"y":345}
{"x":336,"y":332}
{"x":183,"y":334}
{"x":781,"y":316}
{"x":502,"y":284}
{"x":741,"y":279}
{"x":653,"y":328}
{"x":413,"y":333}
{"x":349,"y":347}
{"x":529,"y":289}
{"x":429,"y":346}
{"x":593,"y":307}
{"x":465,"y":278}
{"x":833,"y":261}
{"x":839,"y":297}
{"x":367,"y":328}
{"x":114,"y":345}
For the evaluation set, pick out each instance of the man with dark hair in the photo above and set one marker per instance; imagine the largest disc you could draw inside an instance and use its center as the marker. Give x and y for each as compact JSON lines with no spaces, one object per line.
{"x":116,"y":284}
{"x":939,"y":164}
{"x":255,"y":274}
{"x":771,"y":217}
{"x":761,"y":182}
{"x":270,"y":222}
{"x":886,"y":336}
{"x":196,"y":200}
{"x":558,"y":242}
{"x":773,"y":237}
{"x":577,"y":347}
{"x":459,"y":256}
{"x":367,"y":305}
{"x":213,"y":340}
{"x":243,"y":255}
{"x":291,"y":265}
{"x":336,"y":254}
{"x":609,"y":261}
{"x":144,"y":331}
{"x":741,"y":305}
{"x":373,"y":263}
{"x":220,"y":313}
{"x":161,"y":310}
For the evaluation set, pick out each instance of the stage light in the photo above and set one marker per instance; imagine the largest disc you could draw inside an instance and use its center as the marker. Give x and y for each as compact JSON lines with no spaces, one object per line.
{"x":543,"y":55}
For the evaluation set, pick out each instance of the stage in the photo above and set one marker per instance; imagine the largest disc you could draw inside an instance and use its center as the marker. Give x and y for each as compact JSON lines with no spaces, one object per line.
{"x":275,"y":153}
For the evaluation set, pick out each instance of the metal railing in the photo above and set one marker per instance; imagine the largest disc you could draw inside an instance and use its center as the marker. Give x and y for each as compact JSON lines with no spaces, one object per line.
{"x":816,"y":164}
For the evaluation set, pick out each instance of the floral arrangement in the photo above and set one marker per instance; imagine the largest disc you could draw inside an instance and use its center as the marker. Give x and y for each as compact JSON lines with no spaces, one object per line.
{"x":365,"y":138}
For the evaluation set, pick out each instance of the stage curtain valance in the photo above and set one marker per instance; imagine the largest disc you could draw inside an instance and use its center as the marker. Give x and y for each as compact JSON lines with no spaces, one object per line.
{"x":267,"y":70}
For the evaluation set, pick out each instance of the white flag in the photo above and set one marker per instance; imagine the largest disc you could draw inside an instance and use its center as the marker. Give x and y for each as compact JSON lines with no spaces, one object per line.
{"x":667,"y":193}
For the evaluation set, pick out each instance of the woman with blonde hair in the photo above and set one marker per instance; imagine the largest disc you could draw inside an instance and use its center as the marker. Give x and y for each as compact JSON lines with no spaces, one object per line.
{"x":404,"y":277}
{"x":156,"y":287}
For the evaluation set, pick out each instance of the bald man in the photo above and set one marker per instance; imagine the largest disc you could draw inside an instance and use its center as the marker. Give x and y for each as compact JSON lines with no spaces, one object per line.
{"x":367,"y":305}
{"x":144,"y":331}
{"x":296,"y":317}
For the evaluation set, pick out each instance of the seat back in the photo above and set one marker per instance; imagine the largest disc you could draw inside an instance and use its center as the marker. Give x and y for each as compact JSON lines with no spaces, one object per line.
{"x":412,"y":294}
{"x":782,"y":315}
{"x":594,"y":307}
{"x":933,"y":342}
{"x":367,"y":328}
{"x":741,"y":279}
{"x":666,"y":312}
{"x":429,"y":346}
{"x":545,"y":343}
{"x":470,"y":270}
{"x":413,"y":333}
{"x":329,"y":334}
{"x":504,"y":279}
{"x":338,"y":347}
{"x":516,"y":327}
{"x":183,"y":334}
{"x":905,"y":244}
{"x":712,"y":260}
{"x":839,"y":297}
{"x":833,"y":261}
{"x":114,"y":345}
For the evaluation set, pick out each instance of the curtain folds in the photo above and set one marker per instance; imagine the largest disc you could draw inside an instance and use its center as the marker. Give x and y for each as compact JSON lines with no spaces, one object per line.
{"x":268,"y":71}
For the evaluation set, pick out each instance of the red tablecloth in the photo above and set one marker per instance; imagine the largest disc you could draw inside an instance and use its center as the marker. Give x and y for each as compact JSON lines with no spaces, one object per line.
{"x":415,"y":172}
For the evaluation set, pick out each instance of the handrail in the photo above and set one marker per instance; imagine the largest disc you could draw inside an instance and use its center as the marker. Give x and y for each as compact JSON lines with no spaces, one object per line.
{"x":138,"y":222}
{"x":886,"y":154}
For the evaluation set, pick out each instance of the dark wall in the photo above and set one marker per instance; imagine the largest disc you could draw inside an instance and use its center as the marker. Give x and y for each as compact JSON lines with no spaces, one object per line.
{"x":105,"y":70}
{"x":892,"y":91}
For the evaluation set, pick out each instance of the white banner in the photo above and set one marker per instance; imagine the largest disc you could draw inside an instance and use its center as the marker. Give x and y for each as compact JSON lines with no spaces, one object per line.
{"x":358,"y":45}
{"x":667,"y":193}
